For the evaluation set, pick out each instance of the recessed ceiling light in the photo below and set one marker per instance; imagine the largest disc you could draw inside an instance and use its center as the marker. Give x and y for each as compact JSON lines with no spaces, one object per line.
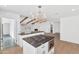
{"x":73,"y":9}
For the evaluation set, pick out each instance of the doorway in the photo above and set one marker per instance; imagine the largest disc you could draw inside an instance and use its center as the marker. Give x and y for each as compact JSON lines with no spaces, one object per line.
{"x":7,"y":33}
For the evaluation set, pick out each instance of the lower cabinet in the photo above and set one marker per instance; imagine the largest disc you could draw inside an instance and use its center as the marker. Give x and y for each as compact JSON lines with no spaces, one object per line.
{"x":29,"y":49}
{"x":43,"y":49}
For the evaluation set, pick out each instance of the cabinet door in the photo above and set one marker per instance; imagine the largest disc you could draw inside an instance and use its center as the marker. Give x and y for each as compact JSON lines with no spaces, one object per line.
{"x":28,"y":49}
{"x":43,"y":49}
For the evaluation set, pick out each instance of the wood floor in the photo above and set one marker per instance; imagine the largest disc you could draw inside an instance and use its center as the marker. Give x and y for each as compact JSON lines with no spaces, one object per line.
{"x":13,"y":50}
{"x":63,"y":47}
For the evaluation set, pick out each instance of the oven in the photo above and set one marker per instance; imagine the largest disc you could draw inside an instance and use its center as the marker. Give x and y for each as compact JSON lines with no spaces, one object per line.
{"x":51,"y":44}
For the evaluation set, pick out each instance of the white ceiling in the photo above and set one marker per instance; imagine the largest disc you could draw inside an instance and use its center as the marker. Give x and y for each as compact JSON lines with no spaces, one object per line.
{"x":49,"y":10}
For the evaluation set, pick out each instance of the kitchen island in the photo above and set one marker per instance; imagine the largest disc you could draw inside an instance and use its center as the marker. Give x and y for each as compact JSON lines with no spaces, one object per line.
{"x":38,"y":44}
{"x":26,"y":35}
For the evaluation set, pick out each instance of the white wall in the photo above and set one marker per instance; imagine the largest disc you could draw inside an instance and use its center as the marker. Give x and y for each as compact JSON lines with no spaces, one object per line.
{"x":0,"y":27}
{"x":42,"y":27}
{"x":6,"y":28}
{"x":69,"y":29}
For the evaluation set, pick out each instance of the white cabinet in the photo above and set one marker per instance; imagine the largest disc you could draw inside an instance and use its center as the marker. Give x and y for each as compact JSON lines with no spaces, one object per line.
{"x":43,"y":49}
{"x":29,"y":49}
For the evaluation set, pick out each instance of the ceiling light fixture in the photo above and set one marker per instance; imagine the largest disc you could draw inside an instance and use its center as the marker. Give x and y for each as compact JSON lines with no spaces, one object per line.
{"x":40,"y":16}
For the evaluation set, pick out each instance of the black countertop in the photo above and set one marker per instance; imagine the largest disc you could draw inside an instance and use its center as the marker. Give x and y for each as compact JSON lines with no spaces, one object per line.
{"x":38,"y":40}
